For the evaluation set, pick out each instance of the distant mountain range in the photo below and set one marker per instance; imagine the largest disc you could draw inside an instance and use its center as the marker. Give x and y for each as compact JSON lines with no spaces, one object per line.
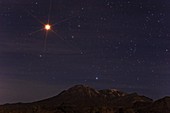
{"x":83,"y":99}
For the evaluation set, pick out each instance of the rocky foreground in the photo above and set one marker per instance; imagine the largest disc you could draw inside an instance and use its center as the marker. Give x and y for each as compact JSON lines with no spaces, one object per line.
{"x":83,"y":99}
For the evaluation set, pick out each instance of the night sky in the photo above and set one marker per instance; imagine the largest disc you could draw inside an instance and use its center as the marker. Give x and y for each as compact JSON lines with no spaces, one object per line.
{"x":122,"y":44}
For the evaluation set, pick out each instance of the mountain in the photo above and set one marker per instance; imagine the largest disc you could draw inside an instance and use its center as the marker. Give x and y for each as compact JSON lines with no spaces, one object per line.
{"x":83,"y":99}
{"x":160,"y":106}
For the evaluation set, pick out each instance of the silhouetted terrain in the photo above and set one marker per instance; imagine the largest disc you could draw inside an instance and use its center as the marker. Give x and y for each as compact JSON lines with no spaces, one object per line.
{"x":83,"y":99}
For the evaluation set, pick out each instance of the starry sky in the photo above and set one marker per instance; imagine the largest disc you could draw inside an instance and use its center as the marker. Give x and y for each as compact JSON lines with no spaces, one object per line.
{"x":122,"y":44}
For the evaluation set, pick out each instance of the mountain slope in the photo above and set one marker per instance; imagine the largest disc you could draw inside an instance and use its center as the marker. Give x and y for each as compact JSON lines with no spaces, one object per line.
{"x":83,"y":99}
{"x":160,"y":106}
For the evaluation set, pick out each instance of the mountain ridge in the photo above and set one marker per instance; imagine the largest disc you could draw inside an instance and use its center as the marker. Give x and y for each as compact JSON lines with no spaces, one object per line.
{"x":84,"y":99}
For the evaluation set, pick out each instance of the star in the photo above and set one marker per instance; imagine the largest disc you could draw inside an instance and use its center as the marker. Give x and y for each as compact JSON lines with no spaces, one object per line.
{"x":41,"y":56}
{"x":47,"y":27}
{"x":97,"y":78}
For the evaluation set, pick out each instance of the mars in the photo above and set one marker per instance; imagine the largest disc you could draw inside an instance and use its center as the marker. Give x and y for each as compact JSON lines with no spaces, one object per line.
{"x":47,"y":27}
